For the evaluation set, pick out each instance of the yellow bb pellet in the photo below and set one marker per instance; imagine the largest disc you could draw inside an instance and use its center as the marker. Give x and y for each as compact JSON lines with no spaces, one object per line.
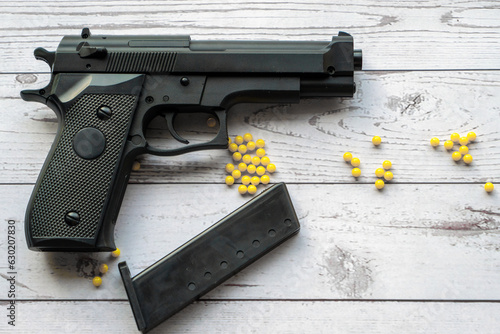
{"x":455,"y":137}
{"x":260,"y":152}
{"x":271,"y":168}
{"x":251,"y":169}
{"x":229,"y":168}
{"x":264,"y":161}
{"x":247,"y":137}
{"x":388,"y":176}
{"x":136,"y":166}
{"x":246,"y":158}
{"x":237,"y":156}
{"x":252,"y":189}
{"x":448,"y":144}
{"x":488,"y":186}
{"x":229,"y":180}
{"x":242,"y":149}
{"x":379,"y":172}
{"x":376,"y":140}
{"x":229,"y":141}
{"x":356,"y":172}
{"x":97,"y":281}
{"x":355,"y":162}
{"x":236,"y":174}
{"x":256,"y":160}
{"x":251,"y":145}
{"x":456,"y":156}
{"x":211,"y":122}
{"x":379,"y":184}
{"x":233,"y":147}
{"x":242,"y":189}
{"x":116,"y":252}
{"x":467,"y":159}
{"x":255,"y":180}
{"x":387,"y":164}
{"x":260,"y":143}
{"x":103,"y":268}
{"x":463,"y":141}
{"x":238,"y":140}
{"x":261,"y":170}
{"x":471,"y":136}
{"x":265,"y":179}
{"x":347,"y":156}
{"x":434,"y":141}
{"x":463,"y":149}
{"x":242,"y":166}
{"x":245,"y":179}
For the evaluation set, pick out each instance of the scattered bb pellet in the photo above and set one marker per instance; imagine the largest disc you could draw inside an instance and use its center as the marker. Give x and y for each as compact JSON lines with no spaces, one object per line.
{"x":103,"y":268}
{"x":455,"y":137}
{"x":388,"y":176}
{"x":260,"y":143}
{"x":387,"y":164}
{"x":456,"y":156}
{"x":448,"y":145}
{"x":471,"y":136}
{"x":265,"y":179}
{"x":242,"y":189}
{"x":237,"y":156}
{"x":467,"y":159}
{"x":434,"y":142}
{"x":376,"y":140}
{"x":242,"y":166}
{"x":347,"y":156}
{"x":355,"y":162}
{"x":247,"y":137}
{"x":229,"y":168}
{"x":379,"y":184}
{"x":264,"y":161}
{"x":271,"y":168}
{"x":245,"y":179}
{"x":116,"y":252}
{"x":463,"y":149}
{"x":356,"y":172}
{"x":489,"y":187}
{"x":251,"y":169}
{"x":463,"y":141}
{"x":379,"y":172}
{"x":238,"y":140}
{"x":252,"y":189}
{"x":97,"y":281}
{"x":236,"y":174}
{"x":229,"y":180}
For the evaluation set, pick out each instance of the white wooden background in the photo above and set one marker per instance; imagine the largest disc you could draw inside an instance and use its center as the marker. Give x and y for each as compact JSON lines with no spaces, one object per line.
{"x":421,"y":256}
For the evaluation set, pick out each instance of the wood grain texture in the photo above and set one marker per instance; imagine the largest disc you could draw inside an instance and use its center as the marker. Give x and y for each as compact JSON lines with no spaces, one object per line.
{"x":264,"y":317}
{"x":394,"y":35}
{"x":307,"y":141}
{"x":422,"y":242}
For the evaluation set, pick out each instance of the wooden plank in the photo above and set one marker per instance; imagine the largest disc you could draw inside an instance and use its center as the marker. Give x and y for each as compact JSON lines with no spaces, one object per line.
{"x":306,"y":141}
{"x":409,"y":241}
{"x":263,"y":317}
{"x":393,"y":35}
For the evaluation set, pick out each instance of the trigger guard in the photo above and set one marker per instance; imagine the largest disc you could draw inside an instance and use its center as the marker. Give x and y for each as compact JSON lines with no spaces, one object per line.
{"x":219,"y":142}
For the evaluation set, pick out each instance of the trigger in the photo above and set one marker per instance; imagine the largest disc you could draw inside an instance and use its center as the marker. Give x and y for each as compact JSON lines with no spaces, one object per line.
{"x":170,"y":124}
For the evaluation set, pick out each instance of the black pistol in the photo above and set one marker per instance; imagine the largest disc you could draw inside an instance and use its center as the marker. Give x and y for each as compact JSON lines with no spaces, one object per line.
{"x":105,"y":91}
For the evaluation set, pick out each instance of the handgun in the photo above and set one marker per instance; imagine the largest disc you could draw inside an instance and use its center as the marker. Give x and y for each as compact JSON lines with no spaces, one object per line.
{"x":106,"y":90}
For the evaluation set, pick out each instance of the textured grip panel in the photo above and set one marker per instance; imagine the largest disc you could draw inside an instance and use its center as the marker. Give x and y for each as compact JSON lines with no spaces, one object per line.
{"x":73,"y":184}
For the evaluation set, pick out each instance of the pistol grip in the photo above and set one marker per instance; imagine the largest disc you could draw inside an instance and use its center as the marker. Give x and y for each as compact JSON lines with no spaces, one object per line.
{"x":77,"y":196}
